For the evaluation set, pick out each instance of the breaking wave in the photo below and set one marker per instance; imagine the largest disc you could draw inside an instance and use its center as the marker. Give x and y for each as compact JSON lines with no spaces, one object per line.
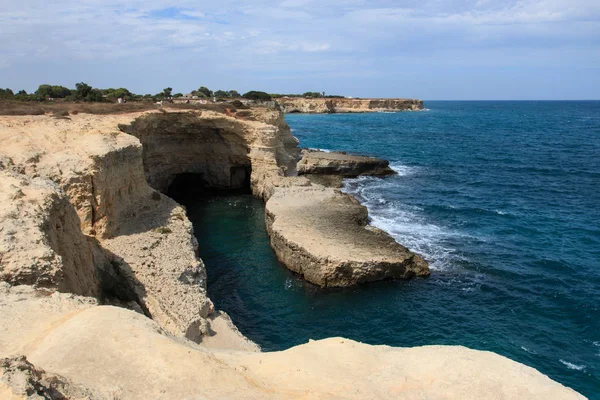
{"x":406,"y":224}
{"x":572,"y":366}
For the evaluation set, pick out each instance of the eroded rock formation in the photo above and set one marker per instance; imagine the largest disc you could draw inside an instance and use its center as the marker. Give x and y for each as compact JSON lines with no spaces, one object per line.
{"x":81,"y":230}
{"x":322,"y":234}
{"x":345,"y":105}
{"x":223,"y":152}
{"x":130,"y":245}
{"x":335,"y":163}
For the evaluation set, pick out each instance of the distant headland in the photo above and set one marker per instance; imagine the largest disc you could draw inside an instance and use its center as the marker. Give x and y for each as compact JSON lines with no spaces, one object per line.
{"x":308,"y":102}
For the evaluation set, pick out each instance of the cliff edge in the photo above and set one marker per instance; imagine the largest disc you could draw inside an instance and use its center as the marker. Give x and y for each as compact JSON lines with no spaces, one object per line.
{"x":103,"y":296}
{"x":73,"y":349}
{"x":346,"y":105}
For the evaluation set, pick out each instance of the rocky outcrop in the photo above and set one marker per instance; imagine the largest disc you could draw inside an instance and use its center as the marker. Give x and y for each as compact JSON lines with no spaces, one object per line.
{"x":81,"y":231}
{"x":336,"y":163}
{"x":41,"y":242}
{"x":322,"y":234}
{"x":130,"y":245}
{"x":216,"y":151}
{"x":112,"y":353}
{"x":345,"y":105}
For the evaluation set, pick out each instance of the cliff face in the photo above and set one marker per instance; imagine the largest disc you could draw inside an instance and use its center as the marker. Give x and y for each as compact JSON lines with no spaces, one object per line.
{"x":80,"y":226}
{"x":218,"y":151}
{"x":83,"y":220}
{"x":343,"y":105}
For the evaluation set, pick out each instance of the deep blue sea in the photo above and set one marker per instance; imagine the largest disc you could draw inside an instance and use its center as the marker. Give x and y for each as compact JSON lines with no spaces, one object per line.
{"x":503,"y":200}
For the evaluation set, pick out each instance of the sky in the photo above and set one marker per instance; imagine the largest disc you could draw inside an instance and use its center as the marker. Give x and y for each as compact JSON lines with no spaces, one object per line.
{"x":429,"y":49}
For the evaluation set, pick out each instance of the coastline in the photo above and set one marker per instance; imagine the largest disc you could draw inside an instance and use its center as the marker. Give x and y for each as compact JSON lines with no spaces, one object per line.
{"x":347,"y":105}
{"x":92,"y":177}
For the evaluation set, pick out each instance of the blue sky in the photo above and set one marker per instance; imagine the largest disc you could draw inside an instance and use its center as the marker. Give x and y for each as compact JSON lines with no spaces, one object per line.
{"x":431,"y":49}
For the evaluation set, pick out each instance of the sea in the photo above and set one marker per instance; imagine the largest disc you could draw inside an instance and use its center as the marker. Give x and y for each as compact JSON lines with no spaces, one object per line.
{"x":502,"y":198}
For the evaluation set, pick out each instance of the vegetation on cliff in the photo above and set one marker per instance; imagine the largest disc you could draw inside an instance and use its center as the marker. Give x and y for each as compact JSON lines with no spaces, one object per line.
{"x":87,"y":93}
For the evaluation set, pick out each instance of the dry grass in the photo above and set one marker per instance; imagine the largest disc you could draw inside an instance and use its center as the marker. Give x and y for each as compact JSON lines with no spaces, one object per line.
{"x":64,"y":109}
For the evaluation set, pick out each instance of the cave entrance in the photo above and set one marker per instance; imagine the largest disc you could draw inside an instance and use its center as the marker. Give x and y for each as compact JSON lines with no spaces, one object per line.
{"x":188,"y":186}
{"x":240,"y":178}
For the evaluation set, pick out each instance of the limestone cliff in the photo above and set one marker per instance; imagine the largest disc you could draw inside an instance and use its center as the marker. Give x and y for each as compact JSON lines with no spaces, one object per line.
{"x":219,"y":151}
{"x":345,"y":105}
{"x":130,"y":244}
{"x":82,"y":230}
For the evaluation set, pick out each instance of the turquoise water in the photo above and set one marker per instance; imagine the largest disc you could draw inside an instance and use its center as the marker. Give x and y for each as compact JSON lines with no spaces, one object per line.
{"x":502,"y":198}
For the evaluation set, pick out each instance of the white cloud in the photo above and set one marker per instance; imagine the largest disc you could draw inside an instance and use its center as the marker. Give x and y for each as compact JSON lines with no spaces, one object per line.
{"x":261,"y":35}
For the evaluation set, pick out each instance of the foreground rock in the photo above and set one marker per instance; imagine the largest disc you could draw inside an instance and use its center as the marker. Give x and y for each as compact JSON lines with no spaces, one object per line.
{"x":344,"y":105}
{"x":322,"y":234}
{"x":341,"y":164}
{"x":112,"y":353}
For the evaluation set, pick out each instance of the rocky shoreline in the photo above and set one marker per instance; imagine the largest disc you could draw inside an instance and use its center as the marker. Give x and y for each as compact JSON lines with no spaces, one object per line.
{"x":103,"y":295}
{"x":346,"y":105}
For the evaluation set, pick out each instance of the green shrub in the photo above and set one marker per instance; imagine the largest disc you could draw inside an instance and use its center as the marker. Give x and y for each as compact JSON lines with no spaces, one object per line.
{"x":6,"y":93}
{"x":257,"y":95}
{"x":203,"y":92}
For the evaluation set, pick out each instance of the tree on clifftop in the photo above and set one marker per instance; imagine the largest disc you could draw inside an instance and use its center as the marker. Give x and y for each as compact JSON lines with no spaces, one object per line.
{"x":118,"y":93}
{"x":203,"y":92}
{"x":82,"y":90}
{"x":227,"y":93}
{"x":257,"y":95}
{"x":314,"y":95}
{"x":6,"y":93}
{"x":85,"y":92}
{"x":49,"y":91}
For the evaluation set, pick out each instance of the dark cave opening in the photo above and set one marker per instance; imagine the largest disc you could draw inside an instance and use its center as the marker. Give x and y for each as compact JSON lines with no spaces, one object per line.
{"x":188,"y":186}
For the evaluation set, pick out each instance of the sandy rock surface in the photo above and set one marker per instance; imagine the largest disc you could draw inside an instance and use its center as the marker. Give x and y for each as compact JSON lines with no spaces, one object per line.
{"x":323,"y":235}
{"x":108,"y":351}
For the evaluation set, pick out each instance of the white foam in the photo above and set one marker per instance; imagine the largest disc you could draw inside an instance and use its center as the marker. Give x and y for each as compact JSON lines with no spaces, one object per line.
{"x":528,"y":350}
{"x":403,"y":170}
{"x":573,"y":366}
{"x":404,"y":223}
{"x":323,"y":150}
